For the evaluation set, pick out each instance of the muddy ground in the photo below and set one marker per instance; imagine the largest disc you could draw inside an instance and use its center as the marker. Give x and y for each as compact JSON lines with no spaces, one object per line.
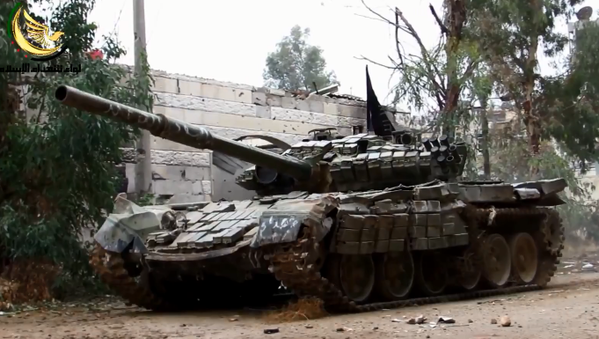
{"x":568,"y":309}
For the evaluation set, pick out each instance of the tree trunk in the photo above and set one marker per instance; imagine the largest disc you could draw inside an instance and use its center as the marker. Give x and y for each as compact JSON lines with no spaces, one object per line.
{"x":530,"y":118}
{"x":533,"y":130}
{"x":532,"y":123}
{"x":454,"y":19}
{"x":484,"y":120}
{"x":450,"y":111}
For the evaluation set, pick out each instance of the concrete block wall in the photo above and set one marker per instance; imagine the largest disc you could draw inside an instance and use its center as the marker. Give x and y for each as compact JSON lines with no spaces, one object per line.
{"x":231,"y":110}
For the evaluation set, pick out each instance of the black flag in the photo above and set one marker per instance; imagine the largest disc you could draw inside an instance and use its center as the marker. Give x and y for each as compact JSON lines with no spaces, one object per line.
{"x":374,"y":121}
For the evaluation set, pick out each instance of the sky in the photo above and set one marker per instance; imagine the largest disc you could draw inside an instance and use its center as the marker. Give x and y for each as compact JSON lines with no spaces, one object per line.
{"x":228,"y":40}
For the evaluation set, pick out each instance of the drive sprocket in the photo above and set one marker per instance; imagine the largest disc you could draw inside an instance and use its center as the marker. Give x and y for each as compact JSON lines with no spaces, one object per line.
{"x":553,"y":233}
{"x":550,"y":241}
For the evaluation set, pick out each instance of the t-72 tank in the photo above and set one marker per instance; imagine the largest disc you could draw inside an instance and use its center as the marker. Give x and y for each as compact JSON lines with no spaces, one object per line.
{"x":358,"y":221}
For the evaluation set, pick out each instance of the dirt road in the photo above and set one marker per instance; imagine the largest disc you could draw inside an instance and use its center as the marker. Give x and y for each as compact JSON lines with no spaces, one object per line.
{"x":569,"y":309}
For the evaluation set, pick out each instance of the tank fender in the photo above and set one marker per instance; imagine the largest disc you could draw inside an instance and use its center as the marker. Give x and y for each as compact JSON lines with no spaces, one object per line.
{"x":544,"y":192}
{"x":282,"y":222}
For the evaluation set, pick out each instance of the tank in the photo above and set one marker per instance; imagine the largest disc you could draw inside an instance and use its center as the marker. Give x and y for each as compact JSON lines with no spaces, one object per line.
{"x":362,"y":222}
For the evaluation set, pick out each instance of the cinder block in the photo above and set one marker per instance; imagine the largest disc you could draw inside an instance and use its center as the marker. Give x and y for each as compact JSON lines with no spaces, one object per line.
{"x":202,"y":187}
{"x":350,"y":121}
{"x":264,"y":112}
{"x":260,"y":90}
{"x":190,"y":159}
{"x":130,"y":173}
{"x":226,"y":93}
{"x":166,"y":172}
{"x":316,"y":106}
{"x":166,"y":187}
{"x":288,"y":102}
{"x":197,"y":173}
{"x":158,"y":73}
{"x":302,"y":105}
{"x":205,"y":104}
{"x":190,"y":88}
{"x":330,"y":108}
{"x":259,"y":98}
{"x":277,"y":92}
{"x":352,"y":111}
{"x":257,"y":124}
{"x":165,"y":85}
{"x":178,"y":172}
{"x":274,"y":101}
{"x":188,"y":198}
{"x":323,"y":120}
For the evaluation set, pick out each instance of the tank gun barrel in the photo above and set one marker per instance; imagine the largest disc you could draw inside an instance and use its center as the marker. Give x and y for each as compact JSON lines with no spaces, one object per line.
{"x":182,"y":132}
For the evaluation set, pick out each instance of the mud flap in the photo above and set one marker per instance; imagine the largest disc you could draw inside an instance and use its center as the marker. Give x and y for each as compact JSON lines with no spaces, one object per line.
{"x":277,"y":227}
{"x":130,"y":223}
{"x":282,"y":222}
{"x":113,"y":236}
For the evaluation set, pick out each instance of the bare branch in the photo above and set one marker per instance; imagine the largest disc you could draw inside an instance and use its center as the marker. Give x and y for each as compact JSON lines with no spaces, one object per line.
{"x":397,"y":26}
{"x":433,"y":72}
{"x":399,"y":55}
{"x":470,"y":68}
{"x":376,"y":63}
{"x":22,"y":81}
{"x":444,"y":29}
{"x":39,"y":114}
{"x":370,"y":18}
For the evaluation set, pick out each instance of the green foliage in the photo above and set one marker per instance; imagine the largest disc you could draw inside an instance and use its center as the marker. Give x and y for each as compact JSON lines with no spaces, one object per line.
{"x":296,"y":65}
{"x":58,"y":169}
{"x":511,"y":33}
{"x":563,"y":106}
{"x":417,"y":83}
{"x":509,"y":25}
{"x":511,"y":163}
{"x":558,"y":110}
{"x":146,"y":200}
{"x":575,"y":94}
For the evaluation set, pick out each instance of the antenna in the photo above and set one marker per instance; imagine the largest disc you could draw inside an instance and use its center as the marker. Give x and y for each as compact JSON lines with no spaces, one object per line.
{"x":585,"y":13}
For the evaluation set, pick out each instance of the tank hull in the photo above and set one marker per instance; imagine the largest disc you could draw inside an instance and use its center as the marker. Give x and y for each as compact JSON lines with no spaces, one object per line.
{"x":357,"y":251}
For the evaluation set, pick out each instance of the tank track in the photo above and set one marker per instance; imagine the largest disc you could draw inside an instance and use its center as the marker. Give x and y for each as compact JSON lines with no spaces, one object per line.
{"x":111,"y":269}
{"x":294,"y":267}
{"x":552,"y":236}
